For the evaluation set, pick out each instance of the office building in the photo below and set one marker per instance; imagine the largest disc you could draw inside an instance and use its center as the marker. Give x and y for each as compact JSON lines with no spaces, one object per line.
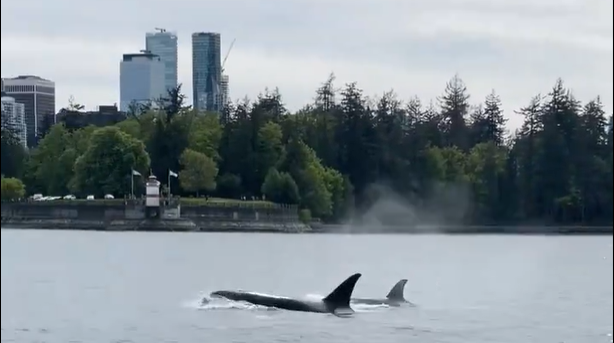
{"x":141,"y":80}
{"x":105,"y":115}
{"x":38,"y":97}
{"x":14,"y":117}
{"x":164,"y":44}
{"x":206,"y":71}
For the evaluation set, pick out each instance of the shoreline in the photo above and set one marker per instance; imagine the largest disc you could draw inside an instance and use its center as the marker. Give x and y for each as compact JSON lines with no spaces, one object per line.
{"x":239,"y":226}
{"x":135,"y":216}
{"x":149,"y":225}
{"x":510,"y":230}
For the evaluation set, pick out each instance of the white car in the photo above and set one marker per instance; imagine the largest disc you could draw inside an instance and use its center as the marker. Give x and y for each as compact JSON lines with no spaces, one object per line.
{"x":109,"y":196}
{"x":90,"y":197}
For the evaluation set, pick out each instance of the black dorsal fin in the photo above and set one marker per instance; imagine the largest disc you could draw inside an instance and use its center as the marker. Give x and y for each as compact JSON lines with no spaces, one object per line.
{"x":397,"y":291}
{"x":340,"y":297}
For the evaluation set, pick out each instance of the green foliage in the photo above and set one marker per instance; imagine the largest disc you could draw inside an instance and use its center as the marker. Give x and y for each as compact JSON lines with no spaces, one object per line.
{"x":229,"y":186}
{"x":485,"y":167}
{"x":315,"y":196}
{"x":280,"y":188}
{"x":12,"y":189}
{"x":198,"y":173}
{"x":302,"y":164}
{"x":326,"y":157}
{"x":13,"y":152}
{"x":51,"y":165}
{"x":340,"y":198}
{"x":304,"y":216}
{"x":205,"y":133}
{"x":454,"y":162}
{"x":132,"y":127}
{"x":269,"y":148}
{"x":105,"y":167}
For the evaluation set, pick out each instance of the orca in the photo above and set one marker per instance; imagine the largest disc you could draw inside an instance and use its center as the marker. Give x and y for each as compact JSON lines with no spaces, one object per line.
{"x":394,"y":298}
{"x":337,"y":302}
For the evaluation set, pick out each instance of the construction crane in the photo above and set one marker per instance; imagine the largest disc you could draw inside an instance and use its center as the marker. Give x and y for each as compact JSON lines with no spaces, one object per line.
{"x":227,"y":53}
{"x":160,"y":29}
{"x":217,"y":83}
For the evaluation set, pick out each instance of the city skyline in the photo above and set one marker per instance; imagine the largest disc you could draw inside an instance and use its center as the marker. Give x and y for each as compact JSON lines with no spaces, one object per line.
{"x":518,"y":48}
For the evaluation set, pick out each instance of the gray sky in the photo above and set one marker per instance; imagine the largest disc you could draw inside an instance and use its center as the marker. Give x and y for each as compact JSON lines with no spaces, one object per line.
{"x":517,"y":47}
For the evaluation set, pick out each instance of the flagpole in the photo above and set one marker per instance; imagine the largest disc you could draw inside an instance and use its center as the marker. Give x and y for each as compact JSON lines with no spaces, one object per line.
{"x":169,"y":184}
{"x":132,"y":184}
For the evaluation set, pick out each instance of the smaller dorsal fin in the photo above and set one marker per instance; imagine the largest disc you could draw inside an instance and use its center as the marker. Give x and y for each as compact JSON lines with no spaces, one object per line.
{"x":397,"y":291}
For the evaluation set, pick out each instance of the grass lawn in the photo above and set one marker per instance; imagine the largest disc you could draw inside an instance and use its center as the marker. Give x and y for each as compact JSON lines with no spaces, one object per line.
{"x":225,"y":202}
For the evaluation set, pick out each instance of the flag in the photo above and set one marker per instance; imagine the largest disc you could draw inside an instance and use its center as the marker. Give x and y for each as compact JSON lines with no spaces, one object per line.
{"x":172,"y":173}
{"x":135,"y":173}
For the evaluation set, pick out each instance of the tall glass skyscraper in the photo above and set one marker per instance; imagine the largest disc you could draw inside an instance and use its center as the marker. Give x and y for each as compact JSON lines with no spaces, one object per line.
{"x":164,"y":44}
{"x":206,"y":71}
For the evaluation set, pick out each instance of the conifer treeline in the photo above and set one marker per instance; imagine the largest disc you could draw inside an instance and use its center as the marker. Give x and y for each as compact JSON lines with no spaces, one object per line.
{"x":444,"y":155}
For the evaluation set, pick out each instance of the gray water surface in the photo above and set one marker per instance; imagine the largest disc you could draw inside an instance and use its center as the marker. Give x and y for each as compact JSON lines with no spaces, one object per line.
{"x":146,"y":287}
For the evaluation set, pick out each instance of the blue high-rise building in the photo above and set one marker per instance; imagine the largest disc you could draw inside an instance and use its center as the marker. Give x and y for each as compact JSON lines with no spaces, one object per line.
{"x":141,"y":80}
{"x":207,"y":71}
{"x":164,"y":44}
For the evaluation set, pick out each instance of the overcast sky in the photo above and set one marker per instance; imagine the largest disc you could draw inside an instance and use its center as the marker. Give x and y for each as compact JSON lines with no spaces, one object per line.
{"x":517,"y":47}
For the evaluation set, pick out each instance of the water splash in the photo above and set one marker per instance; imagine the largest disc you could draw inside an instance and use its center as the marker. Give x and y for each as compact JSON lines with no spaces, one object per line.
{"x":205,"y":302}
{"x":368,"y":308}
{"x":197,"y":301}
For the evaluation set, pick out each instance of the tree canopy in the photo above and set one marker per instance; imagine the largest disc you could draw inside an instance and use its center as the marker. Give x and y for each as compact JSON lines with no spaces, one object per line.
{"x":13,"y":152}
{"x":12,"y":189}
{"x":343,"y":154}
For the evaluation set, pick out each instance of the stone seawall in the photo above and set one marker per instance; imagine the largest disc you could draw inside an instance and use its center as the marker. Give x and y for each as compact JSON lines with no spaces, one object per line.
{"x":114,"y":216}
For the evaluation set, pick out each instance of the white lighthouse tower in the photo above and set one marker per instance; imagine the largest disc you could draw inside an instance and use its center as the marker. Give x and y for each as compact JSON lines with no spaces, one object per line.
{"x":152,"y":196}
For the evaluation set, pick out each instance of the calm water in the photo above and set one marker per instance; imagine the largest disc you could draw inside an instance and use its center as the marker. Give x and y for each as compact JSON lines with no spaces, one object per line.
{"x":142,"y":287}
